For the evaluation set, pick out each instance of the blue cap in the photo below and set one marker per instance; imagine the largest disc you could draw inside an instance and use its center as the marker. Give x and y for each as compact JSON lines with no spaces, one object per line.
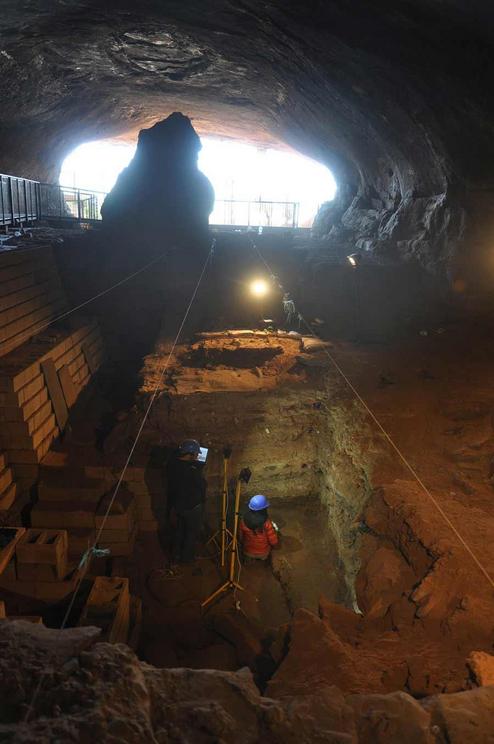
{"x":259,"y":502}
{"x":189,"y":447}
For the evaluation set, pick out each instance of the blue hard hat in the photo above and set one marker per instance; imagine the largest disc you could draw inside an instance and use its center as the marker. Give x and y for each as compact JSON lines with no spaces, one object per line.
{"x":259,"y":502}
{"x":189,"y":447}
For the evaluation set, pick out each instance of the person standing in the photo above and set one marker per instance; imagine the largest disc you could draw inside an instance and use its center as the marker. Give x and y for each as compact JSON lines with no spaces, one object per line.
{"x":258,"y":534}
{"x":186,"y":498}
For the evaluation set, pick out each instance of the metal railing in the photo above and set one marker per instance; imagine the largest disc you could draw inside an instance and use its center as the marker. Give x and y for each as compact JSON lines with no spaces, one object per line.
{"x":23,"y":200}
{"x":260,"y":213}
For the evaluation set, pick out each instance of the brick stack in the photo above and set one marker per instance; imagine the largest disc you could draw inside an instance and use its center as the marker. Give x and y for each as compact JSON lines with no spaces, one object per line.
{"x":27,"y":411}
{"x":30,"y":294}
{"x":108,"y":608}
{"x":78,"y":505}
{"x":8,"y":488}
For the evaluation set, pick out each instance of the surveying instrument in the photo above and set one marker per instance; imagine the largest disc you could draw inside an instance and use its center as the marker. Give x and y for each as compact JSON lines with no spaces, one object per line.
{"x":230,"y":583}
{"x":222,"y":538}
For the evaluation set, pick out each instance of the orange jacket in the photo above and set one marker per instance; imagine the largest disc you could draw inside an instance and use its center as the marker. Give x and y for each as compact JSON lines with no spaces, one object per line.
{"x":258,"y":543}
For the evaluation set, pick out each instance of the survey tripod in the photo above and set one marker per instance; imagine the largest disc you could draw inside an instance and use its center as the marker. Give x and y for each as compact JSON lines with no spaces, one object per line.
{"x":230,"y":583}
{"x":222,"y":538}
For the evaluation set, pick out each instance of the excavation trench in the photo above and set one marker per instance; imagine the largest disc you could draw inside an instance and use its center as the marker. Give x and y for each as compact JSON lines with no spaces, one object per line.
{"x":272,"y":401}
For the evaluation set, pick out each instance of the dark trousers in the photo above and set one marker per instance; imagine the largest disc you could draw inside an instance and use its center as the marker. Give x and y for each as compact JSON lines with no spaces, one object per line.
{"x":189,"y":525}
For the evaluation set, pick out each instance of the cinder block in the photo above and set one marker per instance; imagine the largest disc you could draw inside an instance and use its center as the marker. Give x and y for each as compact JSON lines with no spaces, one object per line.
{"x":44,"y":548}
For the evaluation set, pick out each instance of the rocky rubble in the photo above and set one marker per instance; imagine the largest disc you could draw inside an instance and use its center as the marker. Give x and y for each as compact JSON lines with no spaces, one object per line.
{"x":94,"y":691}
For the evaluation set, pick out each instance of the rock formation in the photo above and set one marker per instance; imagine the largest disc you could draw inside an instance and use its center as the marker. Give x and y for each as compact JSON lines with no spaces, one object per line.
{"x":94,"y":691}
{"x":162,"y":192}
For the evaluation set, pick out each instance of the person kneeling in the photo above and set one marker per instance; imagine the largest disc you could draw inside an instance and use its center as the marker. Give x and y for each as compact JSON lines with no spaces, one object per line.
{"x":257,"y":532}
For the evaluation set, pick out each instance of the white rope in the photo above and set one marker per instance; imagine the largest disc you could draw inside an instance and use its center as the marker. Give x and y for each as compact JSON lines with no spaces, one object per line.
{"x":395,"y":447}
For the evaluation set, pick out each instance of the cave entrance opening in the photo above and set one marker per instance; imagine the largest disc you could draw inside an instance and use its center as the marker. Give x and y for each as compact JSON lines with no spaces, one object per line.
{"x":254,"y":186}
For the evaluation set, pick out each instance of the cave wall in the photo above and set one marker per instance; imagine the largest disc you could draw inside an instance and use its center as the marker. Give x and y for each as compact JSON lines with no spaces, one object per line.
{"x":397,"y":100}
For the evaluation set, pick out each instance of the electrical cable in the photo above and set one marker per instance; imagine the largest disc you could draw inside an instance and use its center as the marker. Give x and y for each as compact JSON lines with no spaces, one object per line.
{"x":388,"y":438}
{"x":89,"y":552}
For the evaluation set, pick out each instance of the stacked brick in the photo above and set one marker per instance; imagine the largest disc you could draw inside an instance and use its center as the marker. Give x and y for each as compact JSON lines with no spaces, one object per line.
{"x":70,"y":499}
{"x":27,"y":408}
{"x":30,"y":294}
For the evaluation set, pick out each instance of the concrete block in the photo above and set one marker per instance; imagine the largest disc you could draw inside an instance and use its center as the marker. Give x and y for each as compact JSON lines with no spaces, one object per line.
{"x":44,"y":547}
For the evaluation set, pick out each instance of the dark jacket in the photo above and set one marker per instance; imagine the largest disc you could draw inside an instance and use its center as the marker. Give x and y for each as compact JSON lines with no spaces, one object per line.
{"x":186,"y":484}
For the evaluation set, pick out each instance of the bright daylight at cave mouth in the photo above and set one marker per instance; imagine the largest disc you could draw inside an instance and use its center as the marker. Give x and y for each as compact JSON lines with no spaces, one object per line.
{"x":289,"y":186}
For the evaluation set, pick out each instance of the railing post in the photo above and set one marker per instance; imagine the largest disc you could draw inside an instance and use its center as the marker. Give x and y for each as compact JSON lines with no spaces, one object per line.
{"x":2,"y":201}
{"x":25,"y":199}
{"x":37,"y":193}
{"x":11,"y":192}
{"x":78,"y":204}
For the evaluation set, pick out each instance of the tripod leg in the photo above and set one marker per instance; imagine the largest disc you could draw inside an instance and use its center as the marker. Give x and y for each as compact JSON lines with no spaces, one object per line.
{"x":235,"y":530}
{"x":223,"y":510}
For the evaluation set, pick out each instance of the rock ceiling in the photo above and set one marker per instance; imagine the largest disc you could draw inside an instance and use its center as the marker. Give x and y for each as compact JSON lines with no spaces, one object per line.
{"x":395,"y":97}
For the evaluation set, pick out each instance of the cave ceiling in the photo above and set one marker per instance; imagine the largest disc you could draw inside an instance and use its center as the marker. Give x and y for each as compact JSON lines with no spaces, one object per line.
{"x":394,"y":95}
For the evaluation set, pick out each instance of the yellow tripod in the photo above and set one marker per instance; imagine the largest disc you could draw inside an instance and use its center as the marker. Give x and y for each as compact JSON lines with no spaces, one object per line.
{"x":230,"y":583}
{"x":223,"y":534}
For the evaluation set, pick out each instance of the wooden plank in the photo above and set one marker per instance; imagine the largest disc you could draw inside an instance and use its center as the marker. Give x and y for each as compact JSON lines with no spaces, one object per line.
{"x":68,"y":387}
{"x":56,"y":393}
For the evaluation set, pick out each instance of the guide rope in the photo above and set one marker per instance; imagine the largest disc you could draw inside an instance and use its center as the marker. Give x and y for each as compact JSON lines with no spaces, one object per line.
{"x":93,"y":549}
{"x":387,"y":436}
{"x":97,"y":296}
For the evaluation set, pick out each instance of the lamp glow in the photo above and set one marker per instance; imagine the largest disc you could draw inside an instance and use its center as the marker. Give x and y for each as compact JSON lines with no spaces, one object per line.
{"x":259,"y":288}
